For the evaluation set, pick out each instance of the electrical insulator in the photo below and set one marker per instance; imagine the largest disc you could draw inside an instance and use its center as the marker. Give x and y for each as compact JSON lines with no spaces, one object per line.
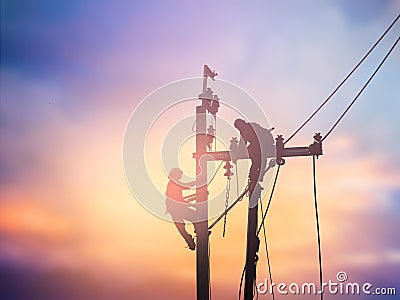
{"x":214,"y":105}
{"x":207,"y":97}
{"x":234,"y":144}
{"x":210,"y":137}
{"x":280,"y":149}
{"x":228,"y":167}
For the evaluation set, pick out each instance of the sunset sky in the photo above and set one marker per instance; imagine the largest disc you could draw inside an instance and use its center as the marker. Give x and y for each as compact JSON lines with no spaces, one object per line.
{"x":73,"y":72}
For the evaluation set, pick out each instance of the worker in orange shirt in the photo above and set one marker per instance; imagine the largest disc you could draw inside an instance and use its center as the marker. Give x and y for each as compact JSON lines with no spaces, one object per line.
{"x":177,"y":207}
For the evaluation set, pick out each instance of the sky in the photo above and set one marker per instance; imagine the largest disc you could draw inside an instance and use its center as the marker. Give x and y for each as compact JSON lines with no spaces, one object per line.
{"x":73,"y":72}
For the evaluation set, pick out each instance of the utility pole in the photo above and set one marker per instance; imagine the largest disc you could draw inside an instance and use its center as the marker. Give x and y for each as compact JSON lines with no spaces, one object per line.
{"x":253,"y":244}
{"x":202,"y":260}
{"x":253,"y":241}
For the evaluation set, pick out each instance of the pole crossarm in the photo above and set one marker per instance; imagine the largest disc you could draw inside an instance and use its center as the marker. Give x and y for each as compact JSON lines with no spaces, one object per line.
{"x":315,"y":149}
{"x":216,"y":155}
{"x":281,"y":151}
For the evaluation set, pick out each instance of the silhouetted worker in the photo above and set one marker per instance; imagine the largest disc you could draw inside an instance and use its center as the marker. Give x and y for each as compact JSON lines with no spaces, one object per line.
{"x":177,"y":207}
{"x":260,"y":144}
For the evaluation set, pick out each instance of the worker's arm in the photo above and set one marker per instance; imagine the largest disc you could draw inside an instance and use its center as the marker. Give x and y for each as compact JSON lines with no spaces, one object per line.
{"x":243,"y":141}
{"x":186,"y":185}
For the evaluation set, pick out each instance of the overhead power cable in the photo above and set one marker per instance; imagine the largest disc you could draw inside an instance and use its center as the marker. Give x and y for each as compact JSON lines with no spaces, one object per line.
{"x":344,"y":80}
{"x":362,"y":89}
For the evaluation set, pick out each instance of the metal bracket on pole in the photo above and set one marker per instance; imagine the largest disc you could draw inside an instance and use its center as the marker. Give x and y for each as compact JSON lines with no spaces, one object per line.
{"x":314,"y":149}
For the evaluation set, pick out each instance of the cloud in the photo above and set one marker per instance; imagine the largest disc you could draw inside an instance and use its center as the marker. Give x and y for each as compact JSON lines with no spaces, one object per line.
{"x":77,"y":284}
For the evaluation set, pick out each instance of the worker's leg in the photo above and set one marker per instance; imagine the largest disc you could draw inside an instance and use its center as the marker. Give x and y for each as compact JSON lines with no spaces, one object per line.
{"x":186,"y":236}
{"x":189,"y":214}
{"x":178,"y":218}
{"x":255,"y":169}
{"x":263,"y":169}
{"x":182,"y":230}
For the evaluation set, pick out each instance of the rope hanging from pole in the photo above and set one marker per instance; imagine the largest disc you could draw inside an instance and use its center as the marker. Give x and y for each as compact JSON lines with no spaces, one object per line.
{"x":267,"y":253}
{"x":318,"y":233}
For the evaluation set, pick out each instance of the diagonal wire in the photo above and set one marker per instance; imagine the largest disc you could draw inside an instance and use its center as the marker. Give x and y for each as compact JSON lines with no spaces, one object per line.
{"x":362,"y":89}
{"x":344,"y":80}
{"x":269,"y":201}
{"x":215,"y":173}
{"x":241,"y":281}
{"x":229,"y":208}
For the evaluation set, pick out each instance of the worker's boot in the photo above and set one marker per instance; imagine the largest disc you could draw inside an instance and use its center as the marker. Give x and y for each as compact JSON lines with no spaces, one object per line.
{"x":190,"y":241}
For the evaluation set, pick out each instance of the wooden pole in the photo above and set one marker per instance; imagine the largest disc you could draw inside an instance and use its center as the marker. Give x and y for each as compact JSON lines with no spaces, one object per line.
{"x":202,"y":259}
{"x":252,"y":246}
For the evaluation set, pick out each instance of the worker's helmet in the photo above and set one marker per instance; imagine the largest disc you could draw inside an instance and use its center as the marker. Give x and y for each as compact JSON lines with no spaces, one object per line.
{"x":175,"y":174}
{"x":239,"y":123}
